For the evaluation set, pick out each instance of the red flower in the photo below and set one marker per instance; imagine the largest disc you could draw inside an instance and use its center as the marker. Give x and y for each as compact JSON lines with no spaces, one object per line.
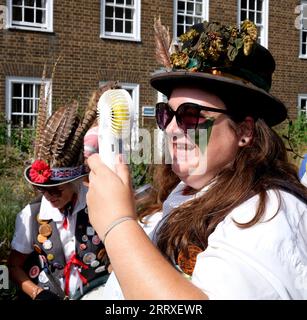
{"x":40,"y":171}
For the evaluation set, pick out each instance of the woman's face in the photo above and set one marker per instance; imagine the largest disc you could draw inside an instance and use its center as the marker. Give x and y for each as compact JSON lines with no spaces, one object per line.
{"x":191,"y":161}
{"x":59,"y":196}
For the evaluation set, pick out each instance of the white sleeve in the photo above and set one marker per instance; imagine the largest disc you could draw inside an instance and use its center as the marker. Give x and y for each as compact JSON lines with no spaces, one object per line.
{"x":223,"y":276}
{"x":22,"y":240}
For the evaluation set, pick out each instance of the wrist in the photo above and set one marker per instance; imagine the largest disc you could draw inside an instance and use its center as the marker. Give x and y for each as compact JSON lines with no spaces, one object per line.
{"x":114,"y":225}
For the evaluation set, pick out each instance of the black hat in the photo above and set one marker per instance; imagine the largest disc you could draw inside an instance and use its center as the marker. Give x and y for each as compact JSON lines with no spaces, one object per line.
{"x":228,"y":62}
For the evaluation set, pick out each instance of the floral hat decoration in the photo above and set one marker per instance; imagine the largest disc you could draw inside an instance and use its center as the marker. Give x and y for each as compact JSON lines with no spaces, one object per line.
{"x":225,"y":60}
{"x":58,"y":151}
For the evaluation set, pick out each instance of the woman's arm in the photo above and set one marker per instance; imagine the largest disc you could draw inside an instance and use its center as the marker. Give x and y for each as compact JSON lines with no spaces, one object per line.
{"x":142,"y":271}
{"x":17,"y":274}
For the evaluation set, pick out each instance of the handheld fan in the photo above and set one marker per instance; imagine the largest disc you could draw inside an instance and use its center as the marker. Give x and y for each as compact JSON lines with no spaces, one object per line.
{"x":115,"y":119}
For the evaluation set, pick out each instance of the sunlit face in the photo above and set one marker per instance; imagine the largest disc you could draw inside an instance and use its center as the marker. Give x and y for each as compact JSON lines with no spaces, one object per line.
{"x":193,"y":164}
{"x":59,"y":196}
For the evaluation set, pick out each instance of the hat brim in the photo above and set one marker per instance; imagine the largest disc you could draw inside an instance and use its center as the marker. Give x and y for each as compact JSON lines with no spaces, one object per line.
{"x":50,"y":183}
{"x":245,"y":96}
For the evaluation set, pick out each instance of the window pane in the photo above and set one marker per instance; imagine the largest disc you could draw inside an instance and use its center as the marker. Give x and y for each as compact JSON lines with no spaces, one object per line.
{"x":16,"y":105}
{"x":110,"y":1}
{"x":40,"y":16}
{"x":259,"y":5}
{"x":128,"y":27}
{"x":109,"y":11}
{"x":190,"y":8}
{"x":252,"y":16}
{"x":37,"y":90}
{"x":29,"y":3}
{"x":119,"y":12}
{"x":29,"y":15}
{"x":198,"y":20}
{"x":189,"y":20}
{"x":180,"y":30}
{"x":17,"y":2}
{"x":181,"y":6}
{"x":27,"y":106}
{"x":128,"y":14}
{"x":119,"y":26}
{"x":109,"y":25}
{"x":35,"y":106}
{"x":244,"y":4}
{"x":243,"y":15}
{"x":251,"y":4}
{"x":130,"y":2}
{"x":41,"y":3}
{"x":259,"y":17}
{"x":28,"y":90}
{"x":119,"y":1}
{"x":27,"y":121}
{"x":16,"y":89}
{"x":17,"y":14}
{"x":180,"y":19}
{"x":198,"y":9}
{"x":16,"y":120}
{"x":304,"y":37}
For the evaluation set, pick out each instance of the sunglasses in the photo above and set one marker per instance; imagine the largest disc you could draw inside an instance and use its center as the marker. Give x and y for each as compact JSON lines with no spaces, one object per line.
{"x":188,"y":115}
{"x":53,"y":191}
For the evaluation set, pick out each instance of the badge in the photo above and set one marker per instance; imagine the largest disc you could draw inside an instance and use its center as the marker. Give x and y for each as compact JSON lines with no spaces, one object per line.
{"x":34,"y":272}
{"x":84,"y":238}
{"x":57,"y":265}
{"x":86,"y":210}
{"x":96,"y":240}
{"x":41,"y":238}
{"x":94,"y":263}
{"x":50,"y":257}
{"x":43,"y":277}
{"x":100,"y":269}
{"x":89,"y":257}
{"x":40,"y":221}
{"x":47,"y":245}
{"x":90,"y":231}
{"x":42,"y":260}
{"x":101,"y":254}
{"x":45,"y":230}
{"x":37,"y":248}
{"x":82,"y":246}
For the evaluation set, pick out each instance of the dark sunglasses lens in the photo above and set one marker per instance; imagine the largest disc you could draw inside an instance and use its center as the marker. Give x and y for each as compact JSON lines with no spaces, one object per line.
{"x":188,"y":116}
{"x":163,"y":115}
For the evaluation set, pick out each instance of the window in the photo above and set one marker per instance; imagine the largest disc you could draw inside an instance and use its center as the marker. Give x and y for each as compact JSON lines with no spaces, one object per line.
{"x":256,"y":11}
{"x":302,"y":104}
{"x":121,"y":19}
{"x":22,"y":99}
{"x":187,"y":13}
{"x":303,"y":28}
{"x":30,"y":14}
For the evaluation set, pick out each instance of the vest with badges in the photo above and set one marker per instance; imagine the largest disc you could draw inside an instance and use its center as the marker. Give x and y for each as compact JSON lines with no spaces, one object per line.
{"x":46,"y":265}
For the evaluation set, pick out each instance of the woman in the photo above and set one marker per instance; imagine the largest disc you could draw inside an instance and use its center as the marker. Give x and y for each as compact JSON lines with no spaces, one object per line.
{"x":56,"y":253}
{"x":234,"y":213}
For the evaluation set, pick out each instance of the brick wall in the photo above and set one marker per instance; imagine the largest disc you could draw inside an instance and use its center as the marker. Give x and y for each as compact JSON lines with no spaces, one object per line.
{"x":88,"y":59}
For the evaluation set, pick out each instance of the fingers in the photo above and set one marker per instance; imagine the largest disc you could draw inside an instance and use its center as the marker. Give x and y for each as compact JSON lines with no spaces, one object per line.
{"x":122,"y":170}
{"x":94,"y":163}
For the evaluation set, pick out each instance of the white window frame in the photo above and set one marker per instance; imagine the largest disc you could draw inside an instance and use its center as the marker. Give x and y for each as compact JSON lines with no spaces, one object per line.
{"x":300,"y":110}
{"x":25,"y":80}
{"x":302,"y":29}
{"x":135,"y":36}
{"x":42,"y":27}
{"x":264,"y":36}
{"x":205,"y":14}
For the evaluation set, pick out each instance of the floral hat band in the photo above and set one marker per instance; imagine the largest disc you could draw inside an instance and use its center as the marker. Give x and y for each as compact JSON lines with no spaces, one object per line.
{"x":40,"y":173}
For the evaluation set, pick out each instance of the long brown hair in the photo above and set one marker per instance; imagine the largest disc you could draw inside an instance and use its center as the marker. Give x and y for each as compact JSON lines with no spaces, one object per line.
{"x":261,"y":166}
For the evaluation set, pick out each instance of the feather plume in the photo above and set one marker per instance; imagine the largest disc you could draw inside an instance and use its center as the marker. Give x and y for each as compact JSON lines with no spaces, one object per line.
{"x":41,"y":115}
{"x":163,"y":42}
{"x":74,"y":147}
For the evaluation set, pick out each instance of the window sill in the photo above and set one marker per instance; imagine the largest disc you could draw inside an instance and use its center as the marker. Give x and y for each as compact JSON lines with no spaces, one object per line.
{"x":22,"y":28}
{"x":120,"y":38}
{"x":302,"y":57}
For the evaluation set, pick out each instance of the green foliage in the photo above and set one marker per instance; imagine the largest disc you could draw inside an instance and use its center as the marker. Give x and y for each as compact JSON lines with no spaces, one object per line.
{"x":294,"y":134}
{"x":140,"y":174}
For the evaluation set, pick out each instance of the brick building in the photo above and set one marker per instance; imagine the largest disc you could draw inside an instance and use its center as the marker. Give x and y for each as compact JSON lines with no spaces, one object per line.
{"x":100,"y":40}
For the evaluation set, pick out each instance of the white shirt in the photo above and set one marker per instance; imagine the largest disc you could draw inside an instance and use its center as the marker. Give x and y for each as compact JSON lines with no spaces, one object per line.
{"x":23,"y":241}
{"x":265,"y":261}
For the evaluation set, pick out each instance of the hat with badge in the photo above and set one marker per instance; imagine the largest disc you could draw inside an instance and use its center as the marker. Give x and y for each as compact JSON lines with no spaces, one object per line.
{"x":58,"y":150}
{"x":225,"y":60}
